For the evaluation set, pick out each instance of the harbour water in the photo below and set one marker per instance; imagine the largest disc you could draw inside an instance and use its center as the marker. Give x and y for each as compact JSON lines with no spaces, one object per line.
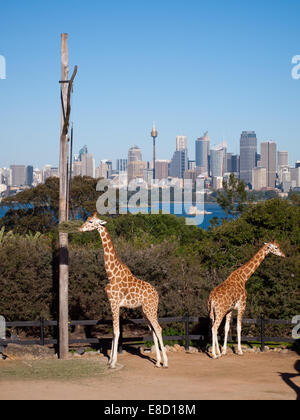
{"x":202,"y":221}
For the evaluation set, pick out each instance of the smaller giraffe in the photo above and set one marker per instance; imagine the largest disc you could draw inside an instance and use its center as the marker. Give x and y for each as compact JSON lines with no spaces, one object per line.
{"x":231,"y":295}
{"x":125,"y":290}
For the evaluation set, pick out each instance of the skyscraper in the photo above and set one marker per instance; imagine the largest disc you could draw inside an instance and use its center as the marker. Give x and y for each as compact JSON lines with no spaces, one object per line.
{"x":235,"y":164}
{"x":259,"y":178}
{"x":29,"y":175}
{"x":248,"y":151}
{"x":83,"y":151}
{"x":88,"y":165}
{"x":179,"y":163}
{"x":217,"y":161}
{"x":282,"y":159}
{"x":122,"y":165}
{"x":104,"y":170}
{"x":134,"y":154}
{"x":136,"y":166}
{"x":181,"y":143}
{"x":18,"y":175}
{"x":229,"y":157}
{"x":202,"y":152}
{"x":162,"y":169}
{"x":268,"y":161}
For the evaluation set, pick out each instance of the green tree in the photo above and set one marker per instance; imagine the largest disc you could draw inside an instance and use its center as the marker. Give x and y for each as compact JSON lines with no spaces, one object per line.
{"x":37,"y":208}
{"x":233,"y":197}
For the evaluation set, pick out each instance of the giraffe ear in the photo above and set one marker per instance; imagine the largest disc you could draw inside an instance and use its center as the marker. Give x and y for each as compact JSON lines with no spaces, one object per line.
{"x":95,"y":214}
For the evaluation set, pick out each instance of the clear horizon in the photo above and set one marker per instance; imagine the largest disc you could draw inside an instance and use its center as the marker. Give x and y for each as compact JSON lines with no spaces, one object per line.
{"x":190,"y":67}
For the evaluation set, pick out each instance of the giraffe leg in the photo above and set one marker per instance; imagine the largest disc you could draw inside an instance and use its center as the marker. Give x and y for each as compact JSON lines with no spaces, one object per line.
{"x":239,"y":329}
{"x":216,"y":353}
{"x":155,"y":340}
{"x":158,"y":331}
{"x":227,"y":328}
{"x":116,"y":329}
{"x":151,"y":316}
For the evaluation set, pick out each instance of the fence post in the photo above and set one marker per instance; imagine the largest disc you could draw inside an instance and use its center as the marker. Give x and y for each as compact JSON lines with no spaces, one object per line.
{"x":187,"y":332}
{"x":262,"y":333}
{"x":42,"y":331}
{"x":120,"y":347}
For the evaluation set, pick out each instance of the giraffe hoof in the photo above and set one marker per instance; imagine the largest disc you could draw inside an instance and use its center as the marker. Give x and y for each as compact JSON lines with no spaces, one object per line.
{"x":112,"y":366}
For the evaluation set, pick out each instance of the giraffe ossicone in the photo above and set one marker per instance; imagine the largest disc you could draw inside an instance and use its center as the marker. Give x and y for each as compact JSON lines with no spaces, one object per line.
{"x":127,"y":291}
{"x":232,"y":295}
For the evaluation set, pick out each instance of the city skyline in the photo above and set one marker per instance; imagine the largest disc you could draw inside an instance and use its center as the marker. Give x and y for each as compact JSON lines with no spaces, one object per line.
{"x":219,"y":76}
{"x":219,"y":163}
{"x":191,"y":145}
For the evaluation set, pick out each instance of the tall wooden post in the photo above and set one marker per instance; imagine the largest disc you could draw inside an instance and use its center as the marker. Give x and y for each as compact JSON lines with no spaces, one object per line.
{"x":63,"y":237}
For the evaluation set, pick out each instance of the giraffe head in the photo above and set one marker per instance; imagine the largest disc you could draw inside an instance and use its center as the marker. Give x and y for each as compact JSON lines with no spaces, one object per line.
{"x":92,"y":223}
{"x":274,"y":248}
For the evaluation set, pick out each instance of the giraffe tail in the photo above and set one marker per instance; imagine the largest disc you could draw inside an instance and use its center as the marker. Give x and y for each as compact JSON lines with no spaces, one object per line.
{"x":211,"y":310}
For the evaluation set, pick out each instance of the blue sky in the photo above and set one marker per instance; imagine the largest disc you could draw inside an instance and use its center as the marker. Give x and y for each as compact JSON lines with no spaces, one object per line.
{"x":192,"y":66}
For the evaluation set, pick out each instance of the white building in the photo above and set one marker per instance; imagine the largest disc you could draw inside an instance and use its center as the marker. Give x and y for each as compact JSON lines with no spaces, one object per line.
{"x":181,"y":143}
{"x":259,"y":178}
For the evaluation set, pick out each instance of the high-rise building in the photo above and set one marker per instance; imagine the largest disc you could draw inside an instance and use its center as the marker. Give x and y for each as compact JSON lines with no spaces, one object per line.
{"x":248,"y":151}
{"x":192,"y":165}
{"x":136,"y":170}
{"x":136,"y":166}
{"x":122,"y":165}
{"x":229,"y":157}
{"x":88,"y":165}
{"x":268,"y":161}
{"x":295,"y":176}
{"x":162,"y":169}
{"x":282,"y":159}
{"x":235,"y":164}
{"x":259,"y":178}
{"x":6,"y":176}
{"x":134,"y":154}
{"x":104,"y":170}
{"x":181,"y":143}
{"x":77,"y":168}
{"x":18,"y":175}
{"x":297,"y":164}
{"x":54,"y":172}
{"x":202,"y":152}
{"x":29,"y":176}
{"x":217,"y":160}
{"x":179,"y":163}
{"x":83,"y":151}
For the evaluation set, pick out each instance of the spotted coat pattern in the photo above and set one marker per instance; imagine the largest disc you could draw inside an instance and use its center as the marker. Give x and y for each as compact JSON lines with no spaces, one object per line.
{"x":232,"y":294}
{"x":125,"y":290}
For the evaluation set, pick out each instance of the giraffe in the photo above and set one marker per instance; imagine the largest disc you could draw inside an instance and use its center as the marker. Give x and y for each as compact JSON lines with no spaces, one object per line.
{"x":231,"y":295}
{"x":125,"y":290}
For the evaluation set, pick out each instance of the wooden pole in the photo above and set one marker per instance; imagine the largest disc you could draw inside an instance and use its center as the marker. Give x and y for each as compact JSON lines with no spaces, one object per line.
{"x":63,"y":237}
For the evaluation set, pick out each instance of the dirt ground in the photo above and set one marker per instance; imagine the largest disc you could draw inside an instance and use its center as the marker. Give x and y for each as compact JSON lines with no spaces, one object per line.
{"x":189,"y":377}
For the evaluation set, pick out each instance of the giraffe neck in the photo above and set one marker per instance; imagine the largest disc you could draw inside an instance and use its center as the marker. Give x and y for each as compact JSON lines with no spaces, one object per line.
{"x":250,"y":268}
{"x":110,"y":255}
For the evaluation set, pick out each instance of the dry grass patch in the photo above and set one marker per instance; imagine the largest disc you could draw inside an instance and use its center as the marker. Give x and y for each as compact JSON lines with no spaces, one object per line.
{"x":51,"y":369}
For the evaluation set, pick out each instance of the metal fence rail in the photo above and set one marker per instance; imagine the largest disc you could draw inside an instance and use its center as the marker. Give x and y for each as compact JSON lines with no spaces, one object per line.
{"x":187,"y":320}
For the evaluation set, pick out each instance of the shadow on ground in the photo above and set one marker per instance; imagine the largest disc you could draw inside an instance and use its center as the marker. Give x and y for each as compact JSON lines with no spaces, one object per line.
{"x":288,"y":378}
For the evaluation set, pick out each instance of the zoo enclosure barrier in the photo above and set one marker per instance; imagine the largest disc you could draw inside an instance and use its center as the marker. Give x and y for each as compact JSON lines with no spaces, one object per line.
{"x":204,"y":324}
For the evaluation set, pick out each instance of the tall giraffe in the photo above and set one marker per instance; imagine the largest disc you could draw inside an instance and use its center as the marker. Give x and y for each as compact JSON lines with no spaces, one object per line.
{"x":231,"y":295}
{"x":125,"y":290}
